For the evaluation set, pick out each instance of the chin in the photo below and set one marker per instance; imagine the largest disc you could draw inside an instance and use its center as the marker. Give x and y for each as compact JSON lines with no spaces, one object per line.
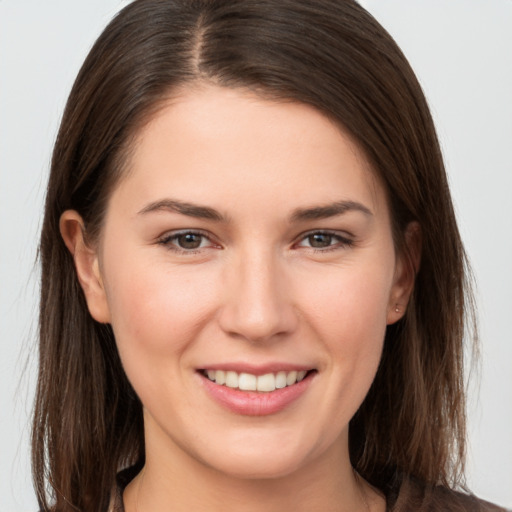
{"x":258,"y":459}
{"x":258,"y":467}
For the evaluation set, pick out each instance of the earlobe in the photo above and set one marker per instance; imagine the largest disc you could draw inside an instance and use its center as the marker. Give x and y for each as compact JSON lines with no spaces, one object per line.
{"x":86,"y":265}
{"x":407,"y":266}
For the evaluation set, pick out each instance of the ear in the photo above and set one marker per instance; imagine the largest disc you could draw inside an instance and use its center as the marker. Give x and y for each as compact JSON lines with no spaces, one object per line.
{"x":87,"y":265}
{"x":407,"y":265}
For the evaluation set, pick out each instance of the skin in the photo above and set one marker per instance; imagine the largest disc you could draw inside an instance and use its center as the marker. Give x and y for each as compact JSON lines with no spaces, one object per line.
{"x":255,"y":290}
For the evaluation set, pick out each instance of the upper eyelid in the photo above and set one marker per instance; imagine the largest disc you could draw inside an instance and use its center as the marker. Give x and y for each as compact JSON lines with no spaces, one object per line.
{"x":175,"y":233}
{"x":170,"y":236}
{"x":342,"y":241}
{"x":333,"y":232}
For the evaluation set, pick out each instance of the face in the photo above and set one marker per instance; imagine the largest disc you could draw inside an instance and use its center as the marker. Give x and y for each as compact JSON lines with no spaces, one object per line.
{"x":248,"y":246}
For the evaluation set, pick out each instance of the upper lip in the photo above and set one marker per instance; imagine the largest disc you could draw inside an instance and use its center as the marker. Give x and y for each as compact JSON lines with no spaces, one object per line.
{"x":257,"y":369}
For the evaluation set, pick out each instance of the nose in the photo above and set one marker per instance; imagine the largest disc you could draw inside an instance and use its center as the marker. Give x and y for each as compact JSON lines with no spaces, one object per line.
{"x":258,"y":303}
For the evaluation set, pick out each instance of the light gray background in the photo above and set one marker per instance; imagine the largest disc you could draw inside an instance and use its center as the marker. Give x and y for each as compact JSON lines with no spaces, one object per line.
{"x":462,"y":53}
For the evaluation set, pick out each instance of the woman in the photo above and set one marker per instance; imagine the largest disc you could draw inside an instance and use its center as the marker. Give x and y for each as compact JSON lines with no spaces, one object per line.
{"x":254,"y":289}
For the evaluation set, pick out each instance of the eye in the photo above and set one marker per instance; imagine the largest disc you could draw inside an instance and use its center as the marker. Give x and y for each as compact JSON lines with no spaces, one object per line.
{"x":189,"y":240}
{"x":324,"y":240}
{"x":186,"y":241}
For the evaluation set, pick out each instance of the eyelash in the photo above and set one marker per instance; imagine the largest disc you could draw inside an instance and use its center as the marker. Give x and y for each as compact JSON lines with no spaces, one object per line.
{"x":343,"y":241}
{"x":167,"y":241}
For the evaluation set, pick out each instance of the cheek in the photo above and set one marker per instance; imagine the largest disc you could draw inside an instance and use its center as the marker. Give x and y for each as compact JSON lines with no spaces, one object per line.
{"x":348,"y":311}
{"x":156,"y":310}
{"x":350,"y":300}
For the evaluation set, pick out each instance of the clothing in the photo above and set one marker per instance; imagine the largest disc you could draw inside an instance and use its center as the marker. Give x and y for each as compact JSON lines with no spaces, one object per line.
{"x":455,"y":501}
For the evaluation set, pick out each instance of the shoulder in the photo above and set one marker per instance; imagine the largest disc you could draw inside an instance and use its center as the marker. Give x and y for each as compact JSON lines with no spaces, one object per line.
{"x":412,"y":495}
{"x":465,"y":502}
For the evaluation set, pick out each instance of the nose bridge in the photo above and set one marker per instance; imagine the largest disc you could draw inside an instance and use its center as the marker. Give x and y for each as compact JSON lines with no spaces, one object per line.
{"x":257,"y":306}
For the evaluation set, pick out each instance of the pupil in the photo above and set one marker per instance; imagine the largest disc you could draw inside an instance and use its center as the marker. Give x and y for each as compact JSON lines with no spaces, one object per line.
{"x":320,"y":240}
{"x":189,"y":241}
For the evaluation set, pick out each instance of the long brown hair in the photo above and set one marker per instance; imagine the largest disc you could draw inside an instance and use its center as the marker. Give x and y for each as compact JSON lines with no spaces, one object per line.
{"x":330,"y":54}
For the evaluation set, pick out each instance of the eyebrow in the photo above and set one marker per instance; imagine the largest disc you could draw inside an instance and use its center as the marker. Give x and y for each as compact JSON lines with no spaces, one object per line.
{"x":300,"y":214}
{"x":189,"y":209}
{"x":329,"y":210}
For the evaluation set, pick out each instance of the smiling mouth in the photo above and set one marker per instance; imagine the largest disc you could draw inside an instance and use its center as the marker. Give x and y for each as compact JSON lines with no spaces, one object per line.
{"x":249,"y":382}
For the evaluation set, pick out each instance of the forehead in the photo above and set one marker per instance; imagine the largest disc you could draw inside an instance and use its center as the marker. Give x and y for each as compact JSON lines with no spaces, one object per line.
{"x":210,"y":144}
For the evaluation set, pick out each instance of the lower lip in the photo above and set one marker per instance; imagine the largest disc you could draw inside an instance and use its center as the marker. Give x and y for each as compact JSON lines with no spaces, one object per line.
{"x":253,"y":403}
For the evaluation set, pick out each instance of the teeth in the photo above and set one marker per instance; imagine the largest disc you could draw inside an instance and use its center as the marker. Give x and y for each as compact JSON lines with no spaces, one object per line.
{"x":231,"y":379}
{"x":291,"y":378}
{"x":249,"y":382}
{"x":281,"y":380}
{"x":266,"y":382}
{"x":220,"y":377}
